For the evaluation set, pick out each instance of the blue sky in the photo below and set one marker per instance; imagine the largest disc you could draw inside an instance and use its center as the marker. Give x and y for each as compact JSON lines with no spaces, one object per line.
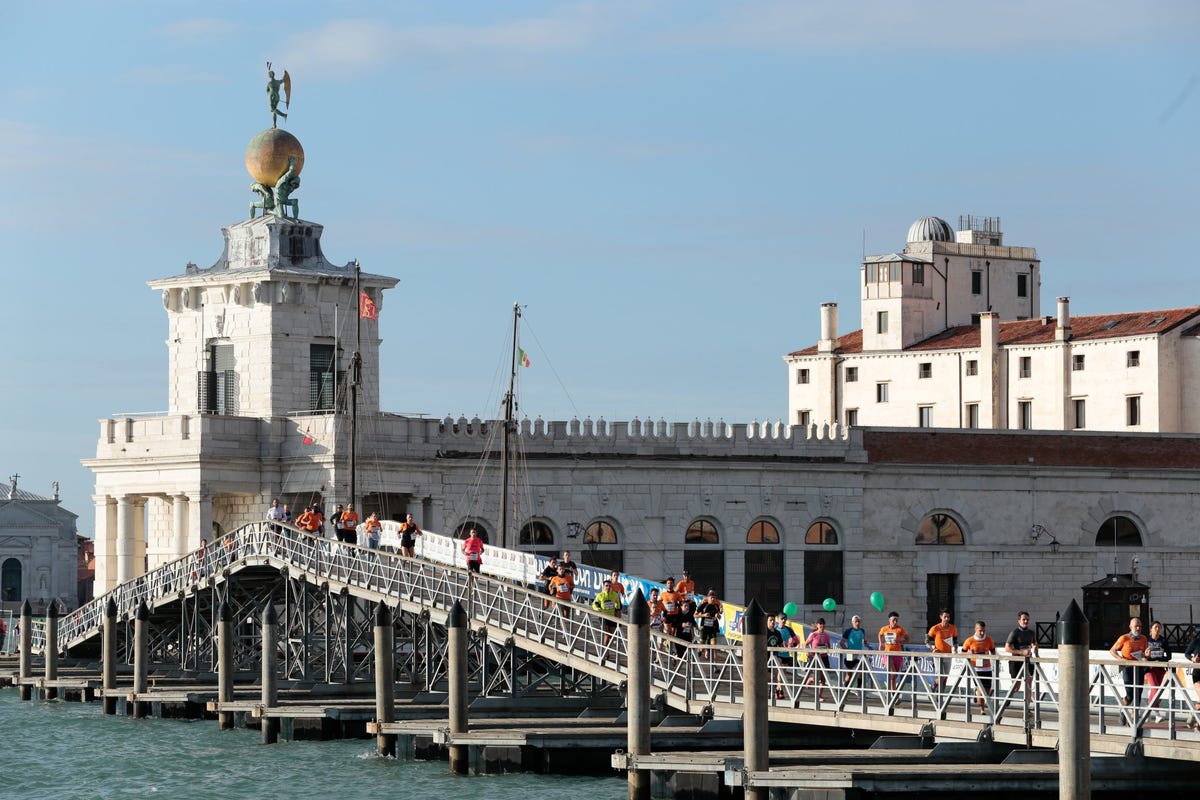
{"x":670,"y":188}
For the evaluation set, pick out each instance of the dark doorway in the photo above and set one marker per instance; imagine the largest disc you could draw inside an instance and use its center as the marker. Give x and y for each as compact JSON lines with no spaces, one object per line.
{"x":707,"y":569}
{"x":939,"y":593}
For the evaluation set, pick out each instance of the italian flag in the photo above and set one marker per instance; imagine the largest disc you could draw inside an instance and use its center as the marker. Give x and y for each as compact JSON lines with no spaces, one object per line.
{"x":523,"y":357}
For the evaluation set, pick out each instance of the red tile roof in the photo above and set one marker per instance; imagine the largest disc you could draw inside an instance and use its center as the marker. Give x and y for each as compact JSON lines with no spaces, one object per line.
{"x":1040,"y":331}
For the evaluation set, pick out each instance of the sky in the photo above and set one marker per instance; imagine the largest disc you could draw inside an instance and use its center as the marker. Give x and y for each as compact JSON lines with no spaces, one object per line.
{"x":669,"y":188}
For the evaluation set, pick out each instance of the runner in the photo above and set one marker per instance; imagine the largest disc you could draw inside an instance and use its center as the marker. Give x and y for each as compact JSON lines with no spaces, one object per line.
{"x":472,"y":548}
{"x":980,"y":644}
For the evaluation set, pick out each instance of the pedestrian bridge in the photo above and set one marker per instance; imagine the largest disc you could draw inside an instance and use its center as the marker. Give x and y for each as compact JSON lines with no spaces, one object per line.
{"x":522,"y":641}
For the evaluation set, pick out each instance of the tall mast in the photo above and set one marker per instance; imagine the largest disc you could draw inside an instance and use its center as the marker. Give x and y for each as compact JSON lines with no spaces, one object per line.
{"x":505,"y":431}
{"x":355,"y":379}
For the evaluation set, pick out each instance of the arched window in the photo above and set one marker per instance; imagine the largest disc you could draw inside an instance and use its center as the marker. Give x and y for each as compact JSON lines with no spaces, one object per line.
{"x":10,"y":580}
{"x":705,"y":563}
{"x":821,"y":533}
{"x":1118,"y":531}
{"x":600,"y":540}
{"x":763,"y":566}
{"x":939,"y":528}
{"x":536,"y":534}
{"x":762,"y":532}
{"x":462,"y":530}
{"x":823,"y":566}
{"x":702,"y":531}
{"x":600,"y":532}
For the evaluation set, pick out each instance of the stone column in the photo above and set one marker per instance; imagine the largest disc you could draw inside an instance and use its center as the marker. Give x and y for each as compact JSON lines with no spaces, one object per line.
{"x":137,"y":553}
{"x":270,"y":672}
{"x":124,"y":539}
{"x":756,"y":678}
{"x":199,"y":519}
{"x":179,"y":519}
{"x":50,"y":652}
{"x":385,"y":678}
{"x":637,"y":698}
{"x":108,"y":658}
{"x":141,"y":659}
{"x":456,"y":623}
{"x":105,"y":539}
{"x":224,"y":664}
{"x":25,"y":659}
{"x":1074,"y":738}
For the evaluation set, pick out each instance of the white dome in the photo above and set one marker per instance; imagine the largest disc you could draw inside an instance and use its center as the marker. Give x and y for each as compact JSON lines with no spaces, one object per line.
{"x":930,"y":229}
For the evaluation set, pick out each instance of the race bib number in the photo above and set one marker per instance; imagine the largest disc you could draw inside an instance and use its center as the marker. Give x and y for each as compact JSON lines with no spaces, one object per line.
{"x":609,"y":605}
{"x":1156,"y":651}
{"x":670,"y":608}
{"x":889,"y":638}
{"x":472,"y":557}
{"x":708,"y":622}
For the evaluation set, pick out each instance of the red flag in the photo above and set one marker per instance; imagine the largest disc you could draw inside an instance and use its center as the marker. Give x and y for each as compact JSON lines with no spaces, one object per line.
{"x":366,"y":306}
{"x":307,"y":439}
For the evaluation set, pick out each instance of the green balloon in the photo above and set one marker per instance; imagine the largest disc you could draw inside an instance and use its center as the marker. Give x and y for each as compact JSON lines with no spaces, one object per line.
{"x":830,"y":604}
{"x":877,"y":600}
{"x":790,"y":609}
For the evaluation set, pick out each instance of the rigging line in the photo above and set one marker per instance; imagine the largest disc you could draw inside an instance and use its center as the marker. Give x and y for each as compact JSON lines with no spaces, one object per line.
{"x":472,"y":505}
{"x":542,"y":350}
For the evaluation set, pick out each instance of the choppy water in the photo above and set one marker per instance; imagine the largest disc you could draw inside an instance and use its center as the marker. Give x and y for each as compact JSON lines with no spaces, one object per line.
{"x":63,"y":751}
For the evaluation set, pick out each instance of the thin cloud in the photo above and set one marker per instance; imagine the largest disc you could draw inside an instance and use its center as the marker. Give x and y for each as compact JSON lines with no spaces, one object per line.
{"x":350,"y":47}
{"x":174,"y":75}
{"x":200,"y":29}
{"x":913,"y":25}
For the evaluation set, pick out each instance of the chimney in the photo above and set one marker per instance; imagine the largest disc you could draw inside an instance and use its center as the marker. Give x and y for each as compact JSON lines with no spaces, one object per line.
{"x":829,"y":333}
{"x":1062,"y":332}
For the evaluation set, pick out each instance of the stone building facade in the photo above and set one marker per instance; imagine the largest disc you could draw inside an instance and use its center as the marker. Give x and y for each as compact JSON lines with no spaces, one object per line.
{"x":952,"y":339}
{"x":38,"y":550}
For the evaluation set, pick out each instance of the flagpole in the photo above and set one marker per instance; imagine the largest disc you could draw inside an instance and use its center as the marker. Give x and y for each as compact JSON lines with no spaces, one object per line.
{"x":505,"y":430}
{"x":355,"y":376}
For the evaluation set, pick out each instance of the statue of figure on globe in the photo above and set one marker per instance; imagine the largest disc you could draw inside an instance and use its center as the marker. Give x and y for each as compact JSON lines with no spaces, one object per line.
{"x":288,"y":182}
{"x":273,"y":85}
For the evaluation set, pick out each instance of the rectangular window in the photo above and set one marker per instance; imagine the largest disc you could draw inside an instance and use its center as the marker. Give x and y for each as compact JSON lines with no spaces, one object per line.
{"x":851,"y":374}
{"x":972,"y":367}
{"x":924,"y":416}
{"x":1133,"y":358}
{"x":852,"y":416}
{"x":925,"y":369}
{"x":881,"y":322}
{"x":1077,"y":363}
{"x":822,"y":574}
{"x":801,"y":376}
{"x":1022,"y":286}
{"x":804,"y":418}
{"x":976,"y":282}
{"x":1079,"y":413}
{"x":1025,"y":414}
{"x":1133,"y":410}
{"x":975,"y":319}
{"x":320,"y":377}
{"x":972,"y":415}
{"x":918,"y":274}
{"x":881,"y":393}
{"x":1026,"y":366}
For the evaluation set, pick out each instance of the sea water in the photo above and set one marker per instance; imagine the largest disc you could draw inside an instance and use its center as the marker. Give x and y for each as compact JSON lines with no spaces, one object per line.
{"x":62,"y":751}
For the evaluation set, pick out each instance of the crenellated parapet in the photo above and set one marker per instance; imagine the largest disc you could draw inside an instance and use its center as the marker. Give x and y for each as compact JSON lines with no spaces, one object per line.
{"x":655,"y":436}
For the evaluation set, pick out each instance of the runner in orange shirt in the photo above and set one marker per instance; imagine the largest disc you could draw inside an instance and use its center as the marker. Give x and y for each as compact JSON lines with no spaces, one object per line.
{"x":670,"y":600}
{"x":941,"y":638}
{"x":562,"y":586}
{"x":1131,"y":648}
{"x":686,"y":586}
{"x":892,"y":639}
{"x":981,"y":645}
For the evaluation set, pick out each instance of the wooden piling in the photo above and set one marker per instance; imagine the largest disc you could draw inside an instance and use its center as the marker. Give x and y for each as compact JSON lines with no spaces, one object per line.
{"x":1074,"y":741}
{"x":385,"y":678}
{"x":108,"y":657}
{"x":637,"y":696}
{"x":456,"y":624}
{"x":25,"y":659}
{"x":141,"y":659}
{"x":756,"y":680}
{"x":50,"y":651}
{"x":270,"y":672}
{"x":224,"y":665}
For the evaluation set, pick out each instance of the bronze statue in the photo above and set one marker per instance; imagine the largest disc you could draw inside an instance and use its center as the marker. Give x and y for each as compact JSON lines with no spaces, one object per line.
{"x":273,"y":85}
{"x":288,"y":182}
